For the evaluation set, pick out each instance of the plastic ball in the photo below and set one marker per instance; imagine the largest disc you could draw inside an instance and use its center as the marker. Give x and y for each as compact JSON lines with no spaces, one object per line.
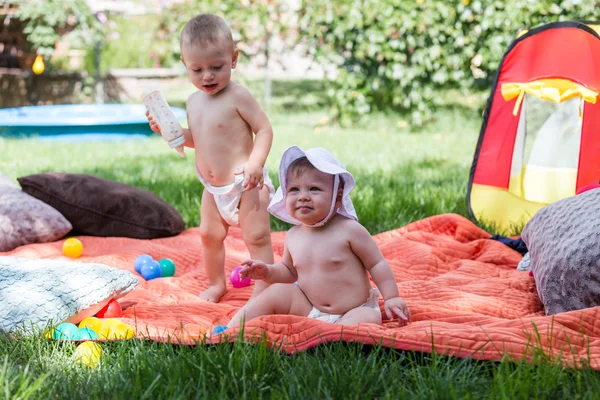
{"x":72,"y":247}
{"x":140,"y":261}
{"x":111,"y":310}
{"x":121,"y":331}
{"x":150,"y":270}
{"x":92,"y":323}
{"x":87,"y":334}
{"x":66,"y":331}
{"x":88,"y":353}
{"x":115,"y":329}
{"x":106,"y":327}
{"x":235,"y":279}
{"x":167,"y":267}
{"x":219,"y":329}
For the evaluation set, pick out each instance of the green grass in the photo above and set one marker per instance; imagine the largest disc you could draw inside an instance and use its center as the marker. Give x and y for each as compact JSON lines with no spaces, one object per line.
{"x":402,"y":176}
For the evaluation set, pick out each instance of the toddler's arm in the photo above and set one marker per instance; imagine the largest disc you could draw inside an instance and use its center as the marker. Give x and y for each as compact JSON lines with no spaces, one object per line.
{"x":366,"y":249}
{"x":253,"y":114}
{"x":189,"y":142}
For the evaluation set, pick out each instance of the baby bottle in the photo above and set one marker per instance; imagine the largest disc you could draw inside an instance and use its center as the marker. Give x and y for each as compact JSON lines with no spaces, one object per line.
{"x":170,"y":128}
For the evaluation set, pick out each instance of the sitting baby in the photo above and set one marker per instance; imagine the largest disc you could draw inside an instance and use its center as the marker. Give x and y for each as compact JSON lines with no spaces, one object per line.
{"x":328,"y":254}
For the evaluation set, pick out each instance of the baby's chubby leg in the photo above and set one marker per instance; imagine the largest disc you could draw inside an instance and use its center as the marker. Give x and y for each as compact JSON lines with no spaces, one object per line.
{"x":213,"y":231}
{"x":256,"y":229}
{"x":362,"y":314}
{"x":279,"y":298}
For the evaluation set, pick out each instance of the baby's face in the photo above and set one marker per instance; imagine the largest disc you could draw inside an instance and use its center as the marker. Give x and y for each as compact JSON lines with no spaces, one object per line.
{"x":209,"y":66}
{"x":309,"y":196}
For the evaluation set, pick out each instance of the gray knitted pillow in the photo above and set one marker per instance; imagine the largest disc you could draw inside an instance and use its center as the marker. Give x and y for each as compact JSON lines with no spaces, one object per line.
{"x":564,"y":245}
{"x":25,"y":219}
{"x":34,"y":292}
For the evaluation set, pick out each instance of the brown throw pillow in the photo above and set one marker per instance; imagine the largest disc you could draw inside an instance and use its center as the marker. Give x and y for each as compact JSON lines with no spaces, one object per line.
{"x":25,"y":220}
{"x":101,"y":207}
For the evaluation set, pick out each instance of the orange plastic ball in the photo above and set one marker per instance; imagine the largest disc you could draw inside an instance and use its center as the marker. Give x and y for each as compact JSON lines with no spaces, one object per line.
{"x":72,"y":247}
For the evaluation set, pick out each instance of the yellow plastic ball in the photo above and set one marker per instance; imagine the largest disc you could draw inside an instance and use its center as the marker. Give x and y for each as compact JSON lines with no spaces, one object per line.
{"x":72,"y":247}
{"x":49,"y":333}
{"x":122,"y":331}
{"x":88,"y":353}
{"x":106,"y":328}
{"x":93,"y":323}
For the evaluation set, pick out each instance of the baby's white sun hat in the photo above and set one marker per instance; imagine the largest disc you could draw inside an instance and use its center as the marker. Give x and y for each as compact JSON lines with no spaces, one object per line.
{"x":325,"y":162}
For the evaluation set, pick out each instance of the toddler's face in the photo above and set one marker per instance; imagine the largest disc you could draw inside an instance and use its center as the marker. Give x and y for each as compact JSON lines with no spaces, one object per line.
{"x":209,"y":67}
{"x":309,"y":195}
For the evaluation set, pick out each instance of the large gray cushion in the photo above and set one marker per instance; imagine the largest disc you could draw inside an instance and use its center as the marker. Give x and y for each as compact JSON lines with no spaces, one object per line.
{"x":36,"y":292}
{"x":25,"y":219}
{"x":564,"y":246}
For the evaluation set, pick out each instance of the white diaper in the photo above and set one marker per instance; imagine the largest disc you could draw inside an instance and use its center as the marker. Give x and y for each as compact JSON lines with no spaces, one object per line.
{"x":372,"y":302}
{"x":228,"y":197}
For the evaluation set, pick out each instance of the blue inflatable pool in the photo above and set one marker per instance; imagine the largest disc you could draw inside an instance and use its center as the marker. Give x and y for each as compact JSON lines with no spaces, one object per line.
{"x":78,"y":122}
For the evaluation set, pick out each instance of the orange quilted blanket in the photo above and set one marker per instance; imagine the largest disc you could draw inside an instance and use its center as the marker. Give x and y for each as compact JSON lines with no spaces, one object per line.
{"x":465,"y":294}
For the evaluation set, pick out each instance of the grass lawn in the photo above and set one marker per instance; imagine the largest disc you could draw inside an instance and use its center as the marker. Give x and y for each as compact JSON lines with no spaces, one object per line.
{"x":402,"y":176}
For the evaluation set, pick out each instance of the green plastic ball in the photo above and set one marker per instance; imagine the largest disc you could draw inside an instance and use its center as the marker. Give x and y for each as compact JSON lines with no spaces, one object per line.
{"x":167,"y":267}
{"x":66,"y":331}
{"x":87,"y":334}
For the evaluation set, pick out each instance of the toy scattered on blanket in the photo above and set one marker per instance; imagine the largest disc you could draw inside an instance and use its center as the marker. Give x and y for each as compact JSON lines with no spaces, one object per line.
{"x":236,"y":280}
{"x":112,"y":309}
{"x":107,"y":328}
{"x":88,"y":353}
{"x":150,"y":269}
{"x":72,"y":247}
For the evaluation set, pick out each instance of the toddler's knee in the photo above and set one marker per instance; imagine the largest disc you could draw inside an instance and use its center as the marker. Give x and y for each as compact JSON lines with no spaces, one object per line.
{"x":211,"y":236}
{"x":257,"y":238}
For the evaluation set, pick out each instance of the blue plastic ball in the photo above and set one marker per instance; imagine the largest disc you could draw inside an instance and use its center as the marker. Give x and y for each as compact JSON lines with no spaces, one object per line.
{"x":87,"y":334}
{"x":141,"y":261}
{"x":150,"y":270}
{"x":66,"y":331}
{"x":219,"y":329}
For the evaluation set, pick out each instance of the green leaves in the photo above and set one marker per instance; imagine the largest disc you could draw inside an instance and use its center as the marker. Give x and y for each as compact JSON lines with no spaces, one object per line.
{"x":399,"y":55}
{"x":48,"y":20}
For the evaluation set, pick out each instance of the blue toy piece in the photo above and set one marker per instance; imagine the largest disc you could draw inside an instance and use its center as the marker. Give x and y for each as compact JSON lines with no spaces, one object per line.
{"x":150,"y":270}
{"x":141,"y":261}
{"x":219,"y":329}
{"x":66,"y":331}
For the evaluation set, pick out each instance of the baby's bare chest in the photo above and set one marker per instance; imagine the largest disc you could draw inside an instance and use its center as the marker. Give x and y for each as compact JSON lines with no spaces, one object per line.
{"x":323,"y":253}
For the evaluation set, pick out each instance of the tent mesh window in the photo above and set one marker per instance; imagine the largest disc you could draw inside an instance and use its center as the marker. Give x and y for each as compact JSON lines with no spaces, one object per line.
{"x":546,"y":151}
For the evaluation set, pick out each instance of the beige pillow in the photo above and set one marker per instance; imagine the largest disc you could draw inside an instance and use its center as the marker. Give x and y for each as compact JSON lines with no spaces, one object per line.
{"x":25,"y":219}
{"x":37,"y":292}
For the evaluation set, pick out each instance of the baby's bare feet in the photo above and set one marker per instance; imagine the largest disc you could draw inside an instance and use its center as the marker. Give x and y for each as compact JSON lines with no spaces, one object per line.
{"x":214,"y":293}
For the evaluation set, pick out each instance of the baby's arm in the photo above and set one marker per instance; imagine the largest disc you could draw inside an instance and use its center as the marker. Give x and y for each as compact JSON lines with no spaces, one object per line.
{"x":366,"y":249}
{"x":280,"y":272}
{"x":253,"y":114}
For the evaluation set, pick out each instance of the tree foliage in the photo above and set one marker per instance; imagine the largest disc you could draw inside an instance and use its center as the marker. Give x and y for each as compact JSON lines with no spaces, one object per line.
{"x":253,"y":22}
{"x":48,"y":20}
{"x":399,"y":54}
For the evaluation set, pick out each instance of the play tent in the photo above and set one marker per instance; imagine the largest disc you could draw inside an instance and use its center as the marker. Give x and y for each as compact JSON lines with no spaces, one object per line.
{"x":540,"y":137}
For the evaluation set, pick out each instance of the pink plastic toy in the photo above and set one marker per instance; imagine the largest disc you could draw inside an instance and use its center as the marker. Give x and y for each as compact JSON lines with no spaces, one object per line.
{"x":235,"y":279}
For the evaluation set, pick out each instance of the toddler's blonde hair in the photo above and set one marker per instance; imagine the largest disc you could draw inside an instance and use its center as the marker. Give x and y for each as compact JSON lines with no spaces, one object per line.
{"x":205,"y":29}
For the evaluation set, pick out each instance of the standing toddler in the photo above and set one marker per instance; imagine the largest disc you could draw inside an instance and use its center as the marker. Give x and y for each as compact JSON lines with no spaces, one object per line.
{"x":232,"y":136}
